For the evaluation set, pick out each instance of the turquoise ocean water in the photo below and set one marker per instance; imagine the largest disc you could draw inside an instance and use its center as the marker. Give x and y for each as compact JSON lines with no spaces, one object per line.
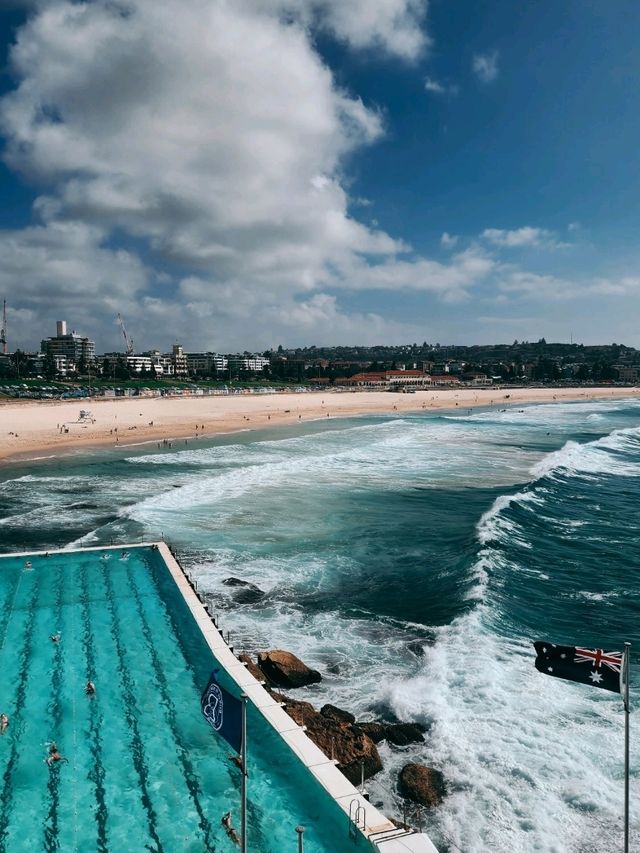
{"x":412,"y":560}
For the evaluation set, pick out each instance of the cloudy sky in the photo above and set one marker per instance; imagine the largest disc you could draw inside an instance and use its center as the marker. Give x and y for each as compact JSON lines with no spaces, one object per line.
{"x":236,"y":174}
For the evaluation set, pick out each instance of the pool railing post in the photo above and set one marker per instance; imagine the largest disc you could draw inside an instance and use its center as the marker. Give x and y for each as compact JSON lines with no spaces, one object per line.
{"x":300,"y":831}
{"x":626,"y":670}
{"x":243,"y":825}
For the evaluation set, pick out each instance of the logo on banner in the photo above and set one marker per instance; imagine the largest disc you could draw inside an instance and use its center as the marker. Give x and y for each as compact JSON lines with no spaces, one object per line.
{"x":213,"y":707}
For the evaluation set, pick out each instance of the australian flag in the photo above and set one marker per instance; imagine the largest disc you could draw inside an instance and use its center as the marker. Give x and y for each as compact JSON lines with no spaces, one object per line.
{"x":588,"y":666}
{"x":223,"y":712}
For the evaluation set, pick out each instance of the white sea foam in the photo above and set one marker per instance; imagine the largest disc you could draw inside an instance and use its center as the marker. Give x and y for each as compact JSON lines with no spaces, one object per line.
{"x":528,"y":759}
{"x":602,"y":456}
{"x":494,"y":525}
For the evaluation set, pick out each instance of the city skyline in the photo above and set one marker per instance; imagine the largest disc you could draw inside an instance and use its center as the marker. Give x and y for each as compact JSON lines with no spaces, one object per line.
{"x":239,"y":176}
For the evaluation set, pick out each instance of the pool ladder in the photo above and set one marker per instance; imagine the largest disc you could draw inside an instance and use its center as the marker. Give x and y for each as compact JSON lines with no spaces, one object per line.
{"x":357,"y":819}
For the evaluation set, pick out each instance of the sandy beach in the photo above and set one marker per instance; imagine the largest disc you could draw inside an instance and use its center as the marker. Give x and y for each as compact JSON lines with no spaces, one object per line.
{"x":33,"y":428}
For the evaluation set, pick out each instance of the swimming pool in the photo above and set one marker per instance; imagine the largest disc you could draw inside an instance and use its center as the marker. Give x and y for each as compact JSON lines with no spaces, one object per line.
{"x":143,"y":770}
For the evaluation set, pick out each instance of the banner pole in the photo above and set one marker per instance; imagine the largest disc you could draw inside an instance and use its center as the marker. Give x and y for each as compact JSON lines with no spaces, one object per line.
{"x":627,"y":712}
{"x":243,"y":825}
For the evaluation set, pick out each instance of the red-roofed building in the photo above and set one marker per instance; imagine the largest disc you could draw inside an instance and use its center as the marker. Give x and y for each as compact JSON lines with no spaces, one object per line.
{"x":388,"y":379}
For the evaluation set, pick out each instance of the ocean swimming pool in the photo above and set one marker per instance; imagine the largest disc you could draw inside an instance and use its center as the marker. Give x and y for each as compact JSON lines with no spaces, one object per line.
{"x":144,"y":771}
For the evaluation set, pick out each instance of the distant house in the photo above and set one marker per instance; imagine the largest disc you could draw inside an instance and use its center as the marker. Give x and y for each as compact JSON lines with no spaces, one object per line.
{"x":627,"y":374}
{"x":477,"y":380}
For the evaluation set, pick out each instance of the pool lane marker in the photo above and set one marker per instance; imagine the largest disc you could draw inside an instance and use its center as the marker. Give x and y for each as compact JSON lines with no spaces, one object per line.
{"x":8,"y":606}
{"x":97,"y":772}
{"x":255,"y":814}
{"x":54,"y":710}
{"x":189,"y":775}
{"x":137,"y":744}
{"x":6,"y":797}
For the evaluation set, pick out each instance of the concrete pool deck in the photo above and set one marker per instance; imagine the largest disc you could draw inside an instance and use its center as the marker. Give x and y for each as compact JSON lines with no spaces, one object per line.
{"x":363,"y":821}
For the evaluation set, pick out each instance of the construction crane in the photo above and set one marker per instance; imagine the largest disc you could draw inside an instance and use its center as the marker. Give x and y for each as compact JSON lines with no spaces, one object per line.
{"x":128,"y":342}
{"x":3,"y":330}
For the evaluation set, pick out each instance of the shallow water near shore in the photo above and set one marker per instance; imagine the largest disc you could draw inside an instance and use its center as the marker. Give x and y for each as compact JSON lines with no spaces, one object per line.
{"x":412,"y":559}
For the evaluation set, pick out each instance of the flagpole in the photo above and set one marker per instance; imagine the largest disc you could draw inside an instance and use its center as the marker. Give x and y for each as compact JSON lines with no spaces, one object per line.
{"x":243,"y":825}
{"x":627,"y":712}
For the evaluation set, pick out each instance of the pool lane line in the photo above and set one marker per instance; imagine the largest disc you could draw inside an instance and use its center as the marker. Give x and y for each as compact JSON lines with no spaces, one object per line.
{"x":6,"y":795}
{"x":97,"y":772}
{"x":188,"y":772}
{"x":54,"y":709}
{"x":7,"y":607}
{"x":254,"y":813}
{"x":137,"y":744}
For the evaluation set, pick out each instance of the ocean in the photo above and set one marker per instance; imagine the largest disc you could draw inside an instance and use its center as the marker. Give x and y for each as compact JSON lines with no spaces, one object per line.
{"x":413,"y":560}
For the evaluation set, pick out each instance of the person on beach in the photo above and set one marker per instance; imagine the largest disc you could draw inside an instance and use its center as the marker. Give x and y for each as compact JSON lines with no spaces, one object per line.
{"x":4,"y":723}
{"x":54,"y":755}
{"x":90,"y":688}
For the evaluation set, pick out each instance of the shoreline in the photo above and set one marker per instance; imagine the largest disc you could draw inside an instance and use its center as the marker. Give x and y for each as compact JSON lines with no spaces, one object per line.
{"x":38,"y":427}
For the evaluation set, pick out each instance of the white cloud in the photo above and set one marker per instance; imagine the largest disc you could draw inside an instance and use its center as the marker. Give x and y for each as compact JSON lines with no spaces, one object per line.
{"x":213,"y":135}
{"x":550,"y":288}
{"x":452,"y":281}
{"x":437,"y":88}
{"x":526,"y":236}
{"x":448,"y":240}
{"x":485,"y":66}
{"x":394,"y":25}
{"x":64,"y":270}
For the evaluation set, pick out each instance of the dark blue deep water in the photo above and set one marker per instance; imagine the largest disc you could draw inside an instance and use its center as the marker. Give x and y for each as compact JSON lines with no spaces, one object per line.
{"x":412,"y":560}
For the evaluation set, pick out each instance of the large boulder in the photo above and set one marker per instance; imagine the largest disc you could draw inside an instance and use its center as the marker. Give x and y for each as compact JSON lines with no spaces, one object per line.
{"x":337,"y":714}
{"x":400,"y":734}
{"x":376,"y":731}
{"x":343,"y":741}
{"x":422,"y":784}
{"x":284,"y":669}
{"x":245,"y":592}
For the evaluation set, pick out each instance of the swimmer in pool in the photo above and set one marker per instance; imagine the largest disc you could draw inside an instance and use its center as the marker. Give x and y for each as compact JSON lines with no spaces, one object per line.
{"x":89,"y":688}
{"x":226,"y":822}
{"x":54,"y":755}
{"x":4,"y":723}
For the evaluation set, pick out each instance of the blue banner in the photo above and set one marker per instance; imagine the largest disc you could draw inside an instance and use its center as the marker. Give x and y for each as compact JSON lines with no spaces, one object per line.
{"x":223,"y":712}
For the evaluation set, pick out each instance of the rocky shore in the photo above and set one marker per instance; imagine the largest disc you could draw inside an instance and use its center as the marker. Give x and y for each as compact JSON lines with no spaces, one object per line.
{"x":351,"y":743}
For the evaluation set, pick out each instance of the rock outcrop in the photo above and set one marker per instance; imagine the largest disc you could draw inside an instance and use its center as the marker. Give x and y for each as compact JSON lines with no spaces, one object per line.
{"x":245,"y":592}
{"x":339,"y":739}
{"x":337,"y":714}
{"x":400,"y":734}
{"x":423,"y":785}
{"x":284,"y":669}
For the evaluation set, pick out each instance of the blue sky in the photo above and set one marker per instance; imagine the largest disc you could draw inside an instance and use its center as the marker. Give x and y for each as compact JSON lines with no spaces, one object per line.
{"x":242,"y":174}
